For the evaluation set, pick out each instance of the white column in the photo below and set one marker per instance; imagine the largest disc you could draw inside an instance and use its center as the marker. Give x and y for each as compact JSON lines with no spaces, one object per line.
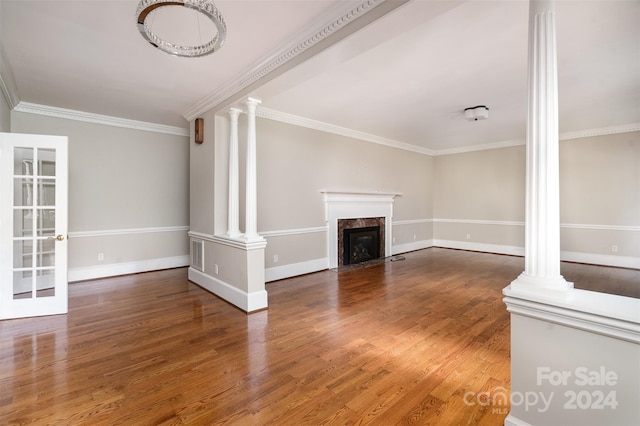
{"x":542,"y":222}
{"x":234,"y":203}
{"x":251,"y":205}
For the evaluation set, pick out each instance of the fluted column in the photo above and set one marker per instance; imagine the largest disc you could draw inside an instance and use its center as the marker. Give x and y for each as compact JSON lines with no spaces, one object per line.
{"x":251,"y":205}
{"x":542,"y":222}
{"x":234,"y":209}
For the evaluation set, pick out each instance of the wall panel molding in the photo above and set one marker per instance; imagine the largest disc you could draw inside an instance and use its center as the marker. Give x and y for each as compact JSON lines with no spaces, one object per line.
{"x":128,"y":231}
{"x":599,"y":227}
{"x":299,"y":231}
{"x":411,"y":222}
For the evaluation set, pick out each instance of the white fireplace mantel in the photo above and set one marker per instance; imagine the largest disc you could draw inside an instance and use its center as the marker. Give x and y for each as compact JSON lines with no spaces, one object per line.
{"x":355,"y":205}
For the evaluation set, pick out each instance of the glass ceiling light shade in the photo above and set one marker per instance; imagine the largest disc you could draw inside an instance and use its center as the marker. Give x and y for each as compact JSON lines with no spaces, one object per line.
{"x":205,"y":7}
{"x":476,"y":113}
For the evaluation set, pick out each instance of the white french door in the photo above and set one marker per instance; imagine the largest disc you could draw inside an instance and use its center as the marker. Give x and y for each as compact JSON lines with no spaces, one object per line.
{"x":33,"y":225}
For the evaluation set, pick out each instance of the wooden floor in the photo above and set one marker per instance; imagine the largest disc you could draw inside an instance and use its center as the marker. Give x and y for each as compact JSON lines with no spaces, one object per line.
{"x":397,"y":343}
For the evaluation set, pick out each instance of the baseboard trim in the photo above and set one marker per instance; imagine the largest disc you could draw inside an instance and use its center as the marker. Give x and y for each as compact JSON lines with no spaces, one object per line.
{"x":601,"y":259}
{"x":294,"y":269}
{"x":567,"y":256}
{"x":416,"y":245}
{"x":483,"y":247}
{"x":115,"y":269}
{"x":248,"y":302}
{"x":514,"y":421}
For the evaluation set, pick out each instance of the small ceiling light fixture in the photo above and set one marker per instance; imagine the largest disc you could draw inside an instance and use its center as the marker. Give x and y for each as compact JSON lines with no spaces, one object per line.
{"x":476,"y":113}
{"x":205,"y":7}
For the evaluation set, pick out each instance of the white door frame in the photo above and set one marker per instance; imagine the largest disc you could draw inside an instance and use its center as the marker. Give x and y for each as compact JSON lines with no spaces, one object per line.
{"x":42,"y":286}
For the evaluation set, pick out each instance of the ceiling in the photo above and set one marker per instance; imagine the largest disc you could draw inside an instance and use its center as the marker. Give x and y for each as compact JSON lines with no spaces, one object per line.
{"x":399,"y":71}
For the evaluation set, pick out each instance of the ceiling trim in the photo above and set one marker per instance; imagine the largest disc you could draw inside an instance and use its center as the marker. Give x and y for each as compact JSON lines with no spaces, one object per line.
{"x":283,"y":117}
{"x":7,"y":82}
{"x":625,"y":128}
{"x":106,"y":120}
{"x":481,"y":147}
{"x":302,"y":42}
{"x":602,"y":131}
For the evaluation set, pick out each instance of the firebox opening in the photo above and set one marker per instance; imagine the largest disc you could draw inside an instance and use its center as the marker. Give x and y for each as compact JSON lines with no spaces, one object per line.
{"x":361,"y":244}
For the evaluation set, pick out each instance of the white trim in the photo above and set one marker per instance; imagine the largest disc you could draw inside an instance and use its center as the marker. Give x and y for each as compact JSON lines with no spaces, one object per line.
{"x":412,"y":246}
{"x":285,"y":232}
{"x":625,"y":228}
{"x":514,"y":421}
{"x":412,"y":222}
{"x":106,"y":120}
{"x":301,"y":42}
{"x":110,"y":232}
{"x":601,"y":259}
{"x":7,"y":82}
{"x":114,"y":269}
{"x":248,"y":302}
{"x":480,"y":222}
{"x":481,"y":147}
{"x":295,"y":269}
{"x":283,"y":117}
{"x":601,"y":313}
{"x":611,"y":130}
{"x":588,"y":133}
{"x":482,"y":247}
{"x":238,"y":243}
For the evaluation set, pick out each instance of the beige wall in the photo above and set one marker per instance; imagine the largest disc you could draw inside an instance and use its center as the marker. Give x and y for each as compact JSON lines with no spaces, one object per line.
{"x":296,"y":163}
{"x":479,"y":199}
{"x":128,"y":194}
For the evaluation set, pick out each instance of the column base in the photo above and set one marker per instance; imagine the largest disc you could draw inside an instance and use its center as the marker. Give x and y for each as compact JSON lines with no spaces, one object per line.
{"x":550,"y":286}
{"x":255,"y":238}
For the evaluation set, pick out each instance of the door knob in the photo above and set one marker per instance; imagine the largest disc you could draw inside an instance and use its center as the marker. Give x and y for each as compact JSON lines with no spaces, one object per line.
{"x":59,"y":237}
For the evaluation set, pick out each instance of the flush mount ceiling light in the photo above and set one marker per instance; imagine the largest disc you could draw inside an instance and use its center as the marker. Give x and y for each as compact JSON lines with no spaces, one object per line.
{"x":204,"y":7}
{"x":476,"y":113}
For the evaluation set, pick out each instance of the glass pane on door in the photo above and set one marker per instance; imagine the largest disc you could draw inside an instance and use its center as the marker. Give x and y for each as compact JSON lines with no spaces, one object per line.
{"x":34,"y":226}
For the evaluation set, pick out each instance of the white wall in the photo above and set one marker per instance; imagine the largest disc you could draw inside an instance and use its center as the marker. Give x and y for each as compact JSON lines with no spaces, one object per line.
{"x":128,"y":195}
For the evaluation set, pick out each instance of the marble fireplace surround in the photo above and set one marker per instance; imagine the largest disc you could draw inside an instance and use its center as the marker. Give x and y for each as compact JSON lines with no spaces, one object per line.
{"x":356,"y":205}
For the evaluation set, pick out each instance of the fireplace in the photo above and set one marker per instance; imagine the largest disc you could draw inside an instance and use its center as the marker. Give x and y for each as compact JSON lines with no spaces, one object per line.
{"x":348,"y":209}
{"x":360,"y":240}
{"x":361,"y":245}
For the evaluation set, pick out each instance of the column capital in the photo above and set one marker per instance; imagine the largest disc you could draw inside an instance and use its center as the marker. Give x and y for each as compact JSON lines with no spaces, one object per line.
{"x":233,"y":111}
{"x":252,"y":102}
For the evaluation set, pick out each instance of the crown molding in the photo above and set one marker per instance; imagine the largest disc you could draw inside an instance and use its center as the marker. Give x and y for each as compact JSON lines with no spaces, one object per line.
{"x":106,"y":120}
{"x":283,"y":117}
{"x":481,"y":147}
{"x":7,"y":82}
{"x":602,"y":131}
{"x":301,"y":43}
